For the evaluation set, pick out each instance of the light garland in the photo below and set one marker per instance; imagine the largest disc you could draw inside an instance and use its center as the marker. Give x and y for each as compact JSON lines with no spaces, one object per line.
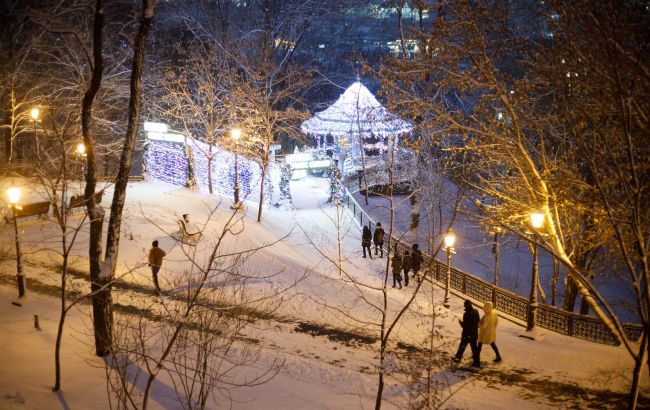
{"x":169,"y":162}
{"x":356,"y":112}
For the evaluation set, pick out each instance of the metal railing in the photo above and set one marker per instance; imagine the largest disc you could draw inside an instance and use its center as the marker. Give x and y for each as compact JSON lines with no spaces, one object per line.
{"x":548,"y":317}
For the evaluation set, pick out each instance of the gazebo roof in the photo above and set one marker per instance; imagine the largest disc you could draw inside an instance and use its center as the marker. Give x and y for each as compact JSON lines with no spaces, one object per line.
{"x":356,"y":111}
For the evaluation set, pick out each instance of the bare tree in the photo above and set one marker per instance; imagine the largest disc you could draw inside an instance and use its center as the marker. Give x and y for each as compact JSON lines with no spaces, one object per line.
{"x":602,"y":68}
{"x":377,"y":296}
{"x":499,"y":97}
{"x":200,"y":328}
{"x":196,"y":93}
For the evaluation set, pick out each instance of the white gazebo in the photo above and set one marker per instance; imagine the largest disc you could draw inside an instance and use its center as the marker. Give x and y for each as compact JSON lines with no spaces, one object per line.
{"x":356,"y":116}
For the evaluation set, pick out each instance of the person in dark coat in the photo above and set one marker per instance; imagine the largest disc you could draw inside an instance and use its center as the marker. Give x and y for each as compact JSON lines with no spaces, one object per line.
{"x":416,"y":257}
{"x":470,"y":334}
{"x":366,"y":240}
{"x":396,"y":264}
{"x":378,"y":239}
{"x":407,"y":262}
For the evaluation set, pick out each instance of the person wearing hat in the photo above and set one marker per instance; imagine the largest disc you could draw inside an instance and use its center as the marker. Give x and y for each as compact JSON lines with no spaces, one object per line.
{"x":470,"y":334}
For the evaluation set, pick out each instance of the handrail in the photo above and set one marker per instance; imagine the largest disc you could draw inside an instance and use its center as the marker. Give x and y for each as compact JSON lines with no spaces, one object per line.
{"x":548,"y":317}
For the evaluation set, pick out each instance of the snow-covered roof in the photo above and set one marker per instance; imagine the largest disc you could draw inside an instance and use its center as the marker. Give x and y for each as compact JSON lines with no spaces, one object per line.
{"x":356,"y":110}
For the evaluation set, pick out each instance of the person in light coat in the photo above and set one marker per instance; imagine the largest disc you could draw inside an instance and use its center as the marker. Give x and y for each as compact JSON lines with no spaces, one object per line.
{"x":487,"y":329}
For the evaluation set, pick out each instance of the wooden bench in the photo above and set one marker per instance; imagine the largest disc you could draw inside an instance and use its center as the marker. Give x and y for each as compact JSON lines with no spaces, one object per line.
{"x":35,"y":209}
{"x":79,"y":201}
{"x":186,"y":236}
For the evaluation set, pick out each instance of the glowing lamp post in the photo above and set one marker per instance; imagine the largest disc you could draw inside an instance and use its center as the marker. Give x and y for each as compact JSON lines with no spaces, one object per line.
{"x":537,"y":221}
{"x":14,"y":196}
{"x":450,"y":238}
{"x":236,"y":134}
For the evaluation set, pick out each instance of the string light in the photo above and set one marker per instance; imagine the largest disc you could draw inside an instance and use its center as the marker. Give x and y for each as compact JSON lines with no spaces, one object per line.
{"x":169,"y":163}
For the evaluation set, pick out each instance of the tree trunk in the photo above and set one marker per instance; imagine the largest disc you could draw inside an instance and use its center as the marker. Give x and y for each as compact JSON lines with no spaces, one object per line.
{"x":414,"y":222}
{"x":135,"y":103}
{"x":210,"y":158}
{"x":496,"y":251}
{"x":363,"y":167}
{"x":59,"y":337}
{"x":556,"y":275}
{"x":265,"y":164}
{"x":570,"y":295}
{"x":639,"y":363}
{"x":5,"y":127}
{"x":380,"y":384}
{"x":102,"y":319}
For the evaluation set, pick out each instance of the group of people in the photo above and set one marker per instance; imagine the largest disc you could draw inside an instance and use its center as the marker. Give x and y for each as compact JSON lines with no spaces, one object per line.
{"x":368,"y":239}
{"x":411,"y":260}
{"x":477,"y":332}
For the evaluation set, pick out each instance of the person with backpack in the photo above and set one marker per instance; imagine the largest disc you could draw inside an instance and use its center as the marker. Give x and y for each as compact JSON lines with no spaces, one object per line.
{"x":378,"y":239}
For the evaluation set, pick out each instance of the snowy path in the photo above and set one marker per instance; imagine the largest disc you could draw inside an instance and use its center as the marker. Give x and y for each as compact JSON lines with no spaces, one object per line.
{"x":319,"y":373}
{"x":474,"y":249}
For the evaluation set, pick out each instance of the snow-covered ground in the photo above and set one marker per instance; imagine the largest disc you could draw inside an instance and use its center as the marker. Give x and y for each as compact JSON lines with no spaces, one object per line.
{"x":323,"y":331}
{"x":474,"y":249}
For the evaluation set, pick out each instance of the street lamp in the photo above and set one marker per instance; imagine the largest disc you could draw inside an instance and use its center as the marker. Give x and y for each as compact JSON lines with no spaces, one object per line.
{"x":14,"y":196}
{"x":450,"y":238}
{"x":537,"y":221}
{"x":236,"y":134}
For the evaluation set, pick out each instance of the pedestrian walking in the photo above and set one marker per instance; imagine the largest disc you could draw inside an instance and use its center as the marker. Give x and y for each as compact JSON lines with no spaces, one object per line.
{"x":416,"y":257}
{"x":470,"y":334}
{"x":396,"y":264}
{"x":487,"y":330}
{"x":407,"y":262}
{"x":156,"y":256}
{"x":378,"y":239}
{"x":366,"y":240}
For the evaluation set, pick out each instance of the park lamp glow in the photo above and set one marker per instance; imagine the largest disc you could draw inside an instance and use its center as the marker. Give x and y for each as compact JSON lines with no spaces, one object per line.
{"x":450,"y":238}
{"x":35,"y":113}
{"x":14,"y":195}
{"x":537,"y":219}
{"x":235,"y":133}
{"x":81,"y":149}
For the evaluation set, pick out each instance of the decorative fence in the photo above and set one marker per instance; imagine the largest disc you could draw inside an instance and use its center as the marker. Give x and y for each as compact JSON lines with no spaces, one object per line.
{"x":548,"y":317}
